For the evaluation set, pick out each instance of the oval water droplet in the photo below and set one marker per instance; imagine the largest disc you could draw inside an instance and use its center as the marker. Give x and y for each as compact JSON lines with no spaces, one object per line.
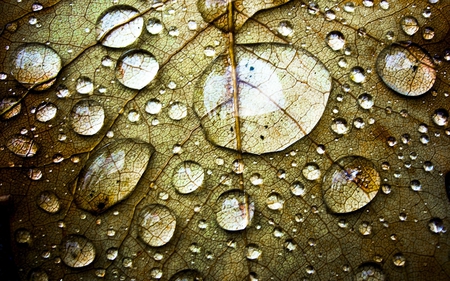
{"x":135,"y":69}
{"x":177,"y":111}
{"x":234,"y":210}
{"x":46,"y":112}
{"x":22,"y":146}
{"x":34,"y":64}
{"x":416,"y":185}
{"x":298,"y":189}
{"x":10,"y":107}
{"x":436,"y":225}
{"x":274,"y":201}
{"x":188,"y":177}
{"x":187,"y":275}
{"x":278,"y":104}
{"x":428,"y":33}
{"x":22,"y":236}
{"x":209,"y":51}
{"x":406,"y":68}
{"x":440,"y":117}
{"x":77,"y":251}
{"x":285,"y":28}
{"x":365,"y":101}
{"x":311,"y":171}
{"x":340,"y":126}
{"x":409,"y":25}
{"x":349,"y":184}
{"x":112,"y":253}
{"x":87,"y":117}
{"x":119,"y":26}
{"x":357,"y":74}
{"x":369,"y":271}
{"x":49,"y":202}
{"x":399,"y":260}
{"x":156,"y":225}
{"x":34,"y":174}
{"x":154,"y":26}
{"x":153,"y":106}
{"x":111,"y":174}
{"x":336,"y":40}
{"x":84,"y":85}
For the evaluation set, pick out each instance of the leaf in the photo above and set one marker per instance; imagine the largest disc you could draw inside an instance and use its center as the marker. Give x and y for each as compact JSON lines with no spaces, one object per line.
{"x":292,"y":140}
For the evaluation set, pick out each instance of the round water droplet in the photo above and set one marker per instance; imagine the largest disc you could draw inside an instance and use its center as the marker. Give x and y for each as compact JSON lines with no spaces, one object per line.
{"x":87,"y":117}
{"x":399,"y":260}
{"x":133,"y":116}
{"x":154,"y":26}
{"x":335,"y":40}
{"x":111,"y":174}
{"x":22,"y":236}
{"x":365,"y":228}
{"x":46,"y":112}
{"x":349,"y":7}
{"x":112,"y":253}
{"x":188,"y":177}
{"x":440,"y":117}
{"x":409,"y":25}
{"x":173,"y":31}
{"x":369,"y":272}
{"x":156,"y":225}
{"x":48,"y":201}
{"x":135,"y":69}
{"x":192,"y":25}
{"x":406,"y":68}
{"x":38,"y":275}
{"x":156,"y":273}
{"x":311,"y":171}
{"x":285,"y":28}
{"x":187,"y":275}
{"x":119,"y":26}
{"x":274,"y":201}
{"x":177,"y":111}
{"x":428,"y":33}
{"x":349,"y":184}
{"x":77,"y":251}
{"x":298,"y":189}
{"x":22,"y":146}
{"x":274,"y":113}
{"x":234,"y":210}
{"x":365,"y":101}
{"x":34,"y":64}
{"x":436,"y":225}
{"x":84,"y":85}
{"x":62,"y":92}
{"x":10,"y":107}
{"x":34,"y":174}
{"x":210,"y":51}
{"x":153,"y":106}
{"x":416,"y":185}
{"x":340,"y":126}
{"x":256,"y":179}
{"x":253,"y":252}
{"x":357,"y":74}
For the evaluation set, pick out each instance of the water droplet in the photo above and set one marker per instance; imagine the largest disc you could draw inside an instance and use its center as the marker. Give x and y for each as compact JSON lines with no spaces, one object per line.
{"x":153,"y":106}
{"x":340,"y":126}
{"x":409,"y":25}
{"x":365,"y":101}
{"x":119,"y":26}
{"x":436,"y":225}
{"x":330,"y":15}
{"x":135,"y":69}
{"x":112,"y":253}
{"x":384,"y":4}
{"x":359,"y":123}
{"x":87,"y":117}
{"x":177,"y":111}
{"x":133,"y":116}
{"x":416,"y":185}
{"x":298,"y":189}
{"x":127,"y":262}
{"x":46,"y":112}
{"x":365,"y":228}
{"x":34,"y":64}
{"x":22,"y":236}
{"x":311,"y":171}
{"x":173,"y":31}
{"x":77,"y":251}
{"x":38,"y":275}
{"x":256,"y":179}
{"x":357,"y":74}
{"x":399,"y":260}
{"x":111,"y":174}
{"x":406,"y":68}
{"x":192,"y":25}
{"x":187,"y":275}
{"x":234,"y":210}
{"x":428,"y":166}
{"x":172,"y":85}
{"x":62,"y":92}
{"x":188,"y":177}
{"x":34,"y":174}
{"x":274,"y":201}
{"x":156,"y":225}
{"x":107,"y":61}
{"x":310,"y":269}
{"x":10,"y":107}
{"x":349,"y":7}
{"x":154,"y":26}
{"x":100,"y":272}
{"x":335,"y":40}
{"x":22,"y":146}
{"x":156,"y":273}
{"x":440,"y":117}
{"x":369,"y":271}
{"x":49,"y":202}
{"x":285,"y":28}
{"x":253,"y":252}
{"x":428,"y":33}
{"x":342,"y":63}
{"x":210,"y":51}
{"x":268,"y":110}
{"x":84,"y":85}
{"x":350,"y":183}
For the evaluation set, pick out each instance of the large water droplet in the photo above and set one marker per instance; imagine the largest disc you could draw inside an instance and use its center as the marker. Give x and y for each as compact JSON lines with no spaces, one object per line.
{"x":156,"y":225}
{"x":22,"y":146}
{"x":409,"y":25}
{"x":369,"y":272}
{"x":119,"y":26}
{"x":350,"y":184}
{"x":34,"y":64}
{"x":187,"y":275}
{"x":136,"y":69}
{"x":406,"y":68}
{"x":335,"y":40}
{"x":46,"y":112}
{"x":48,"y":201}
{"x":10,"y":107}
{"x":77,"y":251}
{"x":279,"y":101}
{"x":234,"y":210}
{"x":87,"y":117}
{"x":111,"y":174}
{"x":188,"y":177}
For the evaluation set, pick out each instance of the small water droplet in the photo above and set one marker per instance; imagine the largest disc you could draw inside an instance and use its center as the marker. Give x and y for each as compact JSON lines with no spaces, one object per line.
{"x":22,"y":236}
{"x":256,"y":179}
{"x":49,"y":202}
{"x":210,"y":51}
{"x":357,"y":74}
{"x":274,"y":201}
{"x":87,"y":117}
{"x":340,"y":126}
{"x":234,"y":210}
{"x":34,"y":174}
{"x":156,"y":225}
{"x":177,"y":111}
{"x":399,"y":260}
{"x":156,"y":273}
{"x":173,"y":31}
{"x":311,"y":171}
{"x":77,"y":251}
{"x":84,"y":85}
{"x":436,"y":225}
{"x":188,"y":177}
{"x":365,"y":228}
{"x":112,"y":253}
{"x":253,"y":252}
{"x":62,"y":92}
{"x":153,"y":106}
{"x":440,"y":117}
{"x":285,"y":29}
{"x":336,"y":40}
{"x":154,"y":26}
{"x":416,"y":185}
{"x":409,"y":25}
{"x":365,"y":101}
{"x":369,"y":271}
{"x":46,"y":112}
{"x":298,"y":189}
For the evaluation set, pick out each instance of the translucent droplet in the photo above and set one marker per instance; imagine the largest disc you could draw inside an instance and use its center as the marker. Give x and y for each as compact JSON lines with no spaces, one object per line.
{"x":416,"y":185}
{"x":87,"y":117}
{"x":253,"y":252}
{"x":234,"y":210}
{"x":38,"y":275}
{"x":330,"y":15}
{"x":156,"y":273}
{"x":153,"y":106}
{"x":33,"y":64}
{"x":269,"y":109}
{"x":342,"y":63}
{"x":428,"y":33}
{"x":34,"y":174}
{"x":210,"y":51}
{"x":428,"y":166}
{"x":290,"y":245}
{"x":84,"y":85}
{"x":399,"y":260}
{"x":365,"y":228}
{"x":188,"y":177}
{"x":357,"y":74}
{"x":406,"y":68}
{"x":440,"y":117}
{"x":46,"y":112}
{"x":111,"y":174}
{"x":112,"y":253}
{"x":340,"y":126}
{"x":10,"y":107}
{"x":22,"y":146}
{"x":49,"y":202}
{"x":100,"y":272}
{"x":256,"y":179}
{"x":119,"y":26}
{"x":310,"y":269}
{"x":133,"y":116}
{"x":77,"y":251}
{"x":349,"y":7}
{"x":187,"y":275}
{"x":127,"y":262}
{"x":369,"y":272}
{"x":349,"y":184}
{"x":298,"y":189}
{"x":107,"y":61}
{"x":335,"y":40}
{"x":436,"y":225}
{"x":173,"y":31}
{"x":62,"y":92}
{"x":409,"y":25}
{"x":156,"y":225}
{"x":365,"y":101}
{"x":359,"y":123}
{"x":384,"y":4}
{"x":192,"y":25}
{"x":311,"y":171}
{"x":274,"y":201}
{"x":154,"y":26}
{"x":177,"y":111}
{"x":22,"y":236}
{"x":285,"y":28}
{"x":136,"y":68}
